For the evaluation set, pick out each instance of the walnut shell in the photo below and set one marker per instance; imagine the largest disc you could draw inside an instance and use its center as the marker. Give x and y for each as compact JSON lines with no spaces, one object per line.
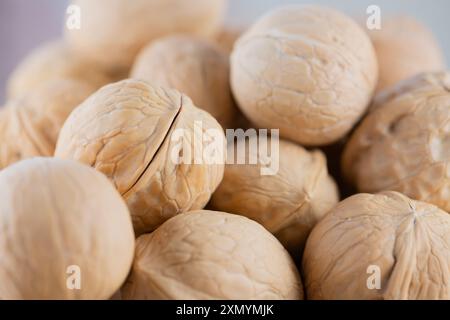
{"x":288,"y":203}
{"x":309,"y":71}
{"x":404,"y":48}
{"x":407,"y":241}
{"x":114,"y":31}
{"x":53,"y":61}
{"x":56,"y":214}
{"x":125,"y":131}
{"x":194,"y":67}
{"x":403,"y":144}
{"x":211,"y":255}
{"x":30,"y":125}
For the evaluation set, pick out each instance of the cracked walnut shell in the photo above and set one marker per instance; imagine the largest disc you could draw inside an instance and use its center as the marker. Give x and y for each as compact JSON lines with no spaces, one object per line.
{"x":403,"y":144}
{"x":30,"y":125}
{"x":383,"y":246}
{"x":309,"y":71}
{"x":288,"y":203}
{"x":61,"y":221}
{"x":192,"y":66}
{"x":211,"y":255}
{"x":125,"y":130}
{"x":114,"y":31}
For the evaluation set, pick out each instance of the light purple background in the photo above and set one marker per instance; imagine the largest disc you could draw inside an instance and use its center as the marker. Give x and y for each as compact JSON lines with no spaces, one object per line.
{"x":26,"y":23}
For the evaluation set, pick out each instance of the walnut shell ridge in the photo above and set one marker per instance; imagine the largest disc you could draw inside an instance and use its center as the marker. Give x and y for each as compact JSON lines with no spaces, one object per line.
{"x":193,"y":66}
{"x":403,"y":143}
{"x":402,"y":242}
{"x":288,"y":203}
{"x":211,"y":255}
{"x":125,"y":130}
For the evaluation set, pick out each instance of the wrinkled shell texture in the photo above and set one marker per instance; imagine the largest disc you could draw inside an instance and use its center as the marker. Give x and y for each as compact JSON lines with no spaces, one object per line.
{"x":211,"y":255}
{"x":404,"y":142}
{"x":408,"y":240}
{"x":404,"y":48}
{"x":113,"y":31}
{"x":289,"y":203}
{"x":124,"y":130}
{"x":307,"y":70}
{"x":30,"y":125}
{"x":54,"y":61}
{"x":73,"y":216}
{"x":192,"y":66}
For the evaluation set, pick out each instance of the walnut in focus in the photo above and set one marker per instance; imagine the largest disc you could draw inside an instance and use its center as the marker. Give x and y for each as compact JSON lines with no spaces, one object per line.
{"x":151,"y":142}
{"x":211,"y":255}
{"x":309,"y":71}
{"x":287,"y":202}
{"x":403,"y":243}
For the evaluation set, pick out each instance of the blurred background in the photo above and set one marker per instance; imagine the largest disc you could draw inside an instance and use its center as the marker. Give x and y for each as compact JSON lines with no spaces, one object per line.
{"x":26,"y":23}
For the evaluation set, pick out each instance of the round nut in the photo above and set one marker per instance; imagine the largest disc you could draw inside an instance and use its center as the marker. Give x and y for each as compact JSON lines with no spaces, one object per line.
{"x":128,"y":130}
{"x":404,"y":49}
{"x":309,"y":71}
{"x":194,"y":67}
{"x":211,"y":255}
{"x":383,"y":246}
{"x":403,"y":144}
{"x":53,"y":61}
{"x":113,"y":31}
{"x":287,"y":202}
{"x":30,"y":125}
{"x":71,"y":239}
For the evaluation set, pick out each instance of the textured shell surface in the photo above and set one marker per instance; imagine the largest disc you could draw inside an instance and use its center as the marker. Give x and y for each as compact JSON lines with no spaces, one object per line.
{"x":211,"y":255}
{"x":288,"y":203}
{"x":403,"y":144}
{"x":308,"y":70}
{"x":125,"y":131}
{"x":403,"y":242}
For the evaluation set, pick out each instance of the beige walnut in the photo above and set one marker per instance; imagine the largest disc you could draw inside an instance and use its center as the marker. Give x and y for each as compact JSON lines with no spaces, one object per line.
{"x":192,"y":66}
{"x":309,"y":71}
{"x":113,"y":31}
{"x":287,"y":202}
{"x":405,"y":48}
{"x":30,"y":125}
{"x":403,"y":243}
{"x":53,"y":61}
{"x":135,"y":133}
{"x":403,"y":144}
{"x":211,"y":255}
{"x":62,"y":222}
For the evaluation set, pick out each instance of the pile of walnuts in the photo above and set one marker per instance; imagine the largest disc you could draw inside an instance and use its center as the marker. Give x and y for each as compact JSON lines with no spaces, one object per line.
{"x":93,"y":205}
